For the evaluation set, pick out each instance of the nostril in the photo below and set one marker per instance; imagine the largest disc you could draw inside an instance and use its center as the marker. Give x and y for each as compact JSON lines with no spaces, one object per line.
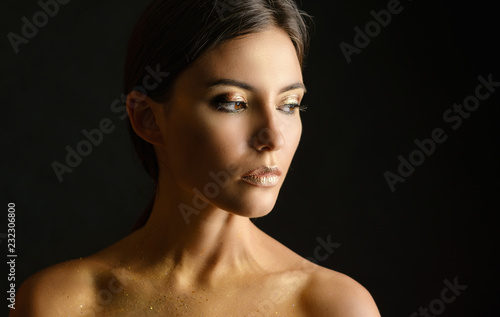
{"x":265,"y":147}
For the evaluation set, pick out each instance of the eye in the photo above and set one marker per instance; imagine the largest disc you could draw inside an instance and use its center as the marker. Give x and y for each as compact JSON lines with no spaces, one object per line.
{"x":231,"y":106}
{"x":290,"y":108}
{"x":228,"y":102}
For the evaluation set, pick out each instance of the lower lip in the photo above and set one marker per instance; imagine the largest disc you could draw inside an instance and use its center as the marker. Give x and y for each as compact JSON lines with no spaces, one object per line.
{"x":267,"y":180}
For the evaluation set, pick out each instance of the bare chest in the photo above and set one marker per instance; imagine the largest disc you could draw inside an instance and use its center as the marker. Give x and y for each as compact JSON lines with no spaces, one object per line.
{"x":273,"y":297}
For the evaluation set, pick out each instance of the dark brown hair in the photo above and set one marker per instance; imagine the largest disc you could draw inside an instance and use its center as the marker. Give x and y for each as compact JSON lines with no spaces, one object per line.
{"x":170,"y":34}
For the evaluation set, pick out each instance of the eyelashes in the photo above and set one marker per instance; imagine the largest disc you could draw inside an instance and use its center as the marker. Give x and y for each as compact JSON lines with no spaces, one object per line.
{"x":238,"y":106}
{"x":231,"y":106}
{"x":291,"y":108}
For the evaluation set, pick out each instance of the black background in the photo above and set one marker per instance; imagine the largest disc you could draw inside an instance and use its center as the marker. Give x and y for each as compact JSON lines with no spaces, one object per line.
{"x":362,"y":115}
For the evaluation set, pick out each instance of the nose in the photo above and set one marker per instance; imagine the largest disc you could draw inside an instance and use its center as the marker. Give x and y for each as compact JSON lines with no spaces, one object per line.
{"x":268,"y":135}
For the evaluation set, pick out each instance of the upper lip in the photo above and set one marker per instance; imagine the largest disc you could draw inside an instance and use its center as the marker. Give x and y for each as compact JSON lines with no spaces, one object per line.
{"x":264,"y":170}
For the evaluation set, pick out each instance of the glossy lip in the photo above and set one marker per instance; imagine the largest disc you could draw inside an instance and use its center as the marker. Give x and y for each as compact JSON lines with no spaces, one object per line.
{"x":264,"y":176}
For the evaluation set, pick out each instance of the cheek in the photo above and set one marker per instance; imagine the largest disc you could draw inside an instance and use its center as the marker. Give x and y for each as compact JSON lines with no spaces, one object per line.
{"x":199,"y":145}
{"x":292,"y":132}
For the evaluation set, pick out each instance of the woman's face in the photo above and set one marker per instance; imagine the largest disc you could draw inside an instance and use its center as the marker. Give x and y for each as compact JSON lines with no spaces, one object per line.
{"x":232,"y":111}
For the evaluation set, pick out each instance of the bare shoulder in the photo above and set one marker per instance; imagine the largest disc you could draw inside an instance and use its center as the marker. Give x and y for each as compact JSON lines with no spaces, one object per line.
{"x":330,"y":293}
{"x":324,"y":292}
{"x":60,"y":290}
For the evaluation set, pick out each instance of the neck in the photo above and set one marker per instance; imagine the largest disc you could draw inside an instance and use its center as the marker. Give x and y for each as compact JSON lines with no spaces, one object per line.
{"x":199,"y":245}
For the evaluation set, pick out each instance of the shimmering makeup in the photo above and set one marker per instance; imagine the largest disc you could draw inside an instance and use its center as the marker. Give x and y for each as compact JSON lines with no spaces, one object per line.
{"x":234,"y":103}
{"x":293,"y":99}
{"x":229,"y":102}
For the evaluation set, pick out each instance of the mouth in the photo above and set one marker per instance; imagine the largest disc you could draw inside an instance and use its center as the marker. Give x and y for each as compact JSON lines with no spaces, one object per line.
{"x":263,"y":176}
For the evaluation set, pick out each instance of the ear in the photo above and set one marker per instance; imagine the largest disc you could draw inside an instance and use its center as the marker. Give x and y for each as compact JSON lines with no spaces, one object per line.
{"x":143,"y":113}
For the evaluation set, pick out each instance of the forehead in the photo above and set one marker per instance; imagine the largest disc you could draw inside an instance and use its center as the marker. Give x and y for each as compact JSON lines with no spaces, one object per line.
{"x":266,"y":60}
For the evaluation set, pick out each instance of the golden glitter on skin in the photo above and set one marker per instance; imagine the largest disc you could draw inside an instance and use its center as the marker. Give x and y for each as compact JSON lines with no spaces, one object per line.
{"x":163,"y":264}
{"x":291,"y":100}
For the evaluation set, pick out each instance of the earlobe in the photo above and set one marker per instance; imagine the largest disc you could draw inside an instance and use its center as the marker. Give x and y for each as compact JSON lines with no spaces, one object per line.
{"x":143,"y":114}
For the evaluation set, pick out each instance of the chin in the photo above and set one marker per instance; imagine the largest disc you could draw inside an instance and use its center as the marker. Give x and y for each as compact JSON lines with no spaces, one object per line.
{"x":255,"y":213}
{"x":252,"y":205}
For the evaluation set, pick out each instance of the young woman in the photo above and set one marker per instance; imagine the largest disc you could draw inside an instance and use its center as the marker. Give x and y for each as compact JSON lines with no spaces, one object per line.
{"x":214,"y":93}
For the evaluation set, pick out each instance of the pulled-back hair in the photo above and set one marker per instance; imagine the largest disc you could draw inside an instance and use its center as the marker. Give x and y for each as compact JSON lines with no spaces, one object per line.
{"x":171,"y":34}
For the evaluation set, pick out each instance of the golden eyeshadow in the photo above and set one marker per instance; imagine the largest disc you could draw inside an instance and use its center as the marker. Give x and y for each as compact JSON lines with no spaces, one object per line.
{"x":228,"y":97}
{"x":290,"y":100}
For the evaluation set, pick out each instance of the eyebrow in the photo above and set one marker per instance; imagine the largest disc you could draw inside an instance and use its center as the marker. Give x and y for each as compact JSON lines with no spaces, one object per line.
{"x":242,"y":85}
